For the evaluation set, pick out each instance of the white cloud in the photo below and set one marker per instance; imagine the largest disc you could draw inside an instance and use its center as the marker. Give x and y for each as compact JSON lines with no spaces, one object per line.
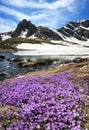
{"x":40,"y":12}
{"x":20,"y":15}
{"x":49,"y":18}
{"x":41,"y":4}
{"x":18,"y":3}
{"x":17,"y":14}
{"x":52,"y":19}
{"x":6,"y":25}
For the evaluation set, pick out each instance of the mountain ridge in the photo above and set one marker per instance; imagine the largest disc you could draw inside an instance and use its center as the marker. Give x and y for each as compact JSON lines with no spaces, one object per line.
{"x":78,"y":30}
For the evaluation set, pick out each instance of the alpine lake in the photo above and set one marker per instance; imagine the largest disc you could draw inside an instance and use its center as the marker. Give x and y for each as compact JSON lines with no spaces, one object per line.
{"x":14,"y":65}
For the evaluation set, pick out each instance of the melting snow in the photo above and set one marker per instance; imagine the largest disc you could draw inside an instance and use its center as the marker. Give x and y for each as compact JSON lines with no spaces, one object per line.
{"x":58,"y":33}
{"x":54,"y":41}
{"x":48,"y":49}
{"x":66,"y":27}
{"x":79,"y":42}
{"x":32,"y":37}
{"x":23,"y":33}
{"x":71,"y":25}
{"x":84,"y":27}
{"x":5,"y":36}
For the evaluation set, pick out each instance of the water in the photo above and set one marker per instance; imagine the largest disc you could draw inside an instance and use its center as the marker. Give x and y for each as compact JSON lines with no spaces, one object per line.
{"x":9,"y":68}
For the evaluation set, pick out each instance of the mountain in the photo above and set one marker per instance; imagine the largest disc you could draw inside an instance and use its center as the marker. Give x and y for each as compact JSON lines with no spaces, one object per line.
{"x":24,"y":29}
{"x":78,"y":30}
{"x":46,"y":33}
{"x":74,"y":31}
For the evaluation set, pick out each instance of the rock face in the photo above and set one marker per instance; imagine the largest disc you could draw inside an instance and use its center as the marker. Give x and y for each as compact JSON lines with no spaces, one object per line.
{"x":46,"y":33}
{"x":0,"y":38}
{"x":2,"y":57}
{"x":28,"y":29}
{"x":78,"y":30}
{"x":24,"y":26}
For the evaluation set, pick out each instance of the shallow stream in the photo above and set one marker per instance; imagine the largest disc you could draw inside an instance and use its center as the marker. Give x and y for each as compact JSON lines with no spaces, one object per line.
{"x":9,"y":67}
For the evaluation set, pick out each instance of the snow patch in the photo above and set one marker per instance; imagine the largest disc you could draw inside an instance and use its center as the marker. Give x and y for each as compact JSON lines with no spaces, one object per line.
{"x":83,"y":20}
{"x":48,"y":49}
{"x":64,"y":43}
{"x":56,"y":41}
{"x":58,"y":33}
{"x":5,"y":36}
{"x":76,"y":41}
{"x":30,"y":46}
{"x":71,"y":25}
{"x":23,"y":33}
{"x":32,"y":37}
{"x":84,"y":27}
{"x":66,"y":27}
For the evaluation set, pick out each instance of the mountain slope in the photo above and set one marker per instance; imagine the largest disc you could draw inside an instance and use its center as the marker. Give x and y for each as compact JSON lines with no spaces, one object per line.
{"x":24,"y":29}
{"x":78,"y":30}
{"x":74,"y":32}
{"x":46,"y":33}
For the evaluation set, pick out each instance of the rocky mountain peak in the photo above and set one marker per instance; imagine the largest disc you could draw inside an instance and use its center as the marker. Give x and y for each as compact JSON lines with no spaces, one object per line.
{"x":78,"y":30}
{"x":85,"y":23}
{"x":23,"y":26}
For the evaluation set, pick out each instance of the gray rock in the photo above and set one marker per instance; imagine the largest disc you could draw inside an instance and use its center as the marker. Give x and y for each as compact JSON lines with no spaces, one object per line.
{"x":79,"y":60}
{"x":18,"y":59}
{"x":4,"y":74}
{"x":46,"y":33}
{"x":2,"y":57}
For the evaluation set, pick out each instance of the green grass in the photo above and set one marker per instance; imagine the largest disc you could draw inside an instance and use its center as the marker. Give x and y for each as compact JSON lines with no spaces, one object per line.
{"x":21,"y":40}
{"x":11,"y":43}
{"x":25,"y":40}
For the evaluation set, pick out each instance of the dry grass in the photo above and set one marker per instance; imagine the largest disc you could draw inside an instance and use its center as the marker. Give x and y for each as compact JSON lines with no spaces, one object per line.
{"x":3,"y":50}
{"x":73,"y":68}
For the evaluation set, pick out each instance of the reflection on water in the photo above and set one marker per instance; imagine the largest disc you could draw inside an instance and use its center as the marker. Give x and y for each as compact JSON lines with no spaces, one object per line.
{"x":9,"y":67}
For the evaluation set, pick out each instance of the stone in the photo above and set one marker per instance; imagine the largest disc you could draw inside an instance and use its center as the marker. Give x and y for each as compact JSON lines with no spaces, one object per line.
{"x":35,"y":63}
{"x":79,"y":60}
{"x":4,"y":74}
{"x":46,"y":33}
{"x":2,"y":57}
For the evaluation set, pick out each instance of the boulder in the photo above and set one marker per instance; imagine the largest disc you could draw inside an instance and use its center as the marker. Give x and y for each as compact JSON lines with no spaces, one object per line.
{"x":35,"y":63}
{"x":18,"y":59}
{"x":2,"y":57}
{"x":31,"y":63}
{"x":79,"y":60}
{"x":4,"y":74}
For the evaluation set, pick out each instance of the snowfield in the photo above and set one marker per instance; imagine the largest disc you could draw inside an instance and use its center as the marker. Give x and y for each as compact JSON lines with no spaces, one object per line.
{"x":49,"y":49}
{"x":5,"y":36}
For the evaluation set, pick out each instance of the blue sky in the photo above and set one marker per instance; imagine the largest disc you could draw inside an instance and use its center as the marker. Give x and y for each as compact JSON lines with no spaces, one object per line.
{"x":50,"y":13}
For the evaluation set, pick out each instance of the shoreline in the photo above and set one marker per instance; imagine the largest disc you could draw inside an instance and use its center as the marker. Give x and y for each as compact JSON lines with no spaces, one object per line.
{"x":73,"y":68}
